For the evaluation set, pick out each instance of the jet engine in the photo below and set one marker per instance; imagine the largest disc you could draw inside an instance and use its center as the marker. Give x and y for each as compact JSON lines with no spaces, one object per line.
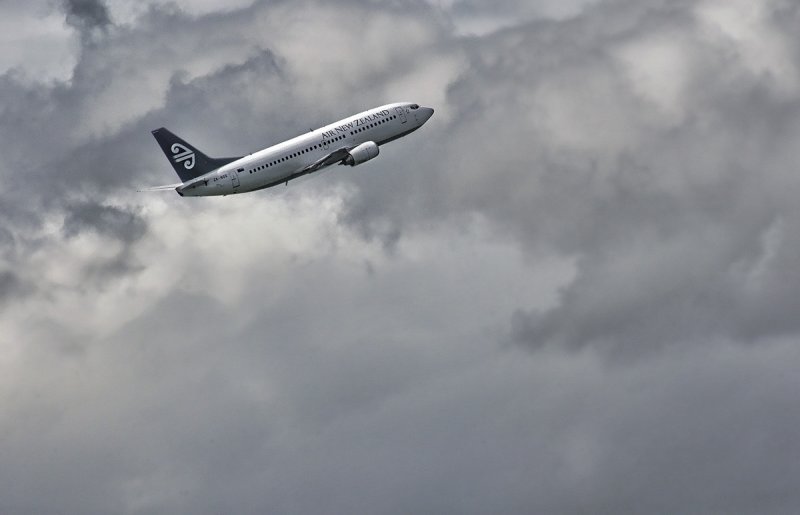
{"x":362,"y":153}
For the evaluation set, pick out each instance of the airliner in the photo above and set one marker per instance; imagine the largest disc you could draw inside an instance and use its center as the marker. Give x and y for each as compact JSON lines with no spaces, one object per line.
{"x":351,"y":141}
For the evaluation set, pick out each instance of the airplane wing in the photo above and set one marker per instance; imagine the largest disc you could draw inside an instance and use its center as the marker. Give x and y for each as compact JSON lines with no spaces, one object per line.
{"x":334,"y":157}
{"x":161,"y":188}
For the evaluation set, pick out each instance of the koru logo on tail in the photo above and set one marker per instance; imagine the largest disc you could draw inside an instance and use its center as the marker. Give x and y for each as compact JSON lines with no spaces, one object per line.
{"x":181,"y":154}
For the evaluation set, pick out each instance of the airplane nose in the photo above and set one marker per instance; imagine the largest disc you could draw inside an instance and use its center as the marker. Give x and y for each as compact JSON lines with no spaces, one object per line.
{"x":428,"y":113}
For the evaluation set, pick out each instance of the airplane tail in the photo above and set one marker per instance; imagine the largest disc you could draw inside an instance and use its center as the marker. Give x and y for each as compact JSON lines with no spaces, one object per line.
{"x":187,"y":160}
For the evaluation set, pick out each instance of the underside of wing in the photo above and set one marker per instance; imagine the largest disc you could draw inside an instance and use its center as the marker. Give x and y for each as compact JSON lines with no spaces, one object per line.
{"x":332,"y":158}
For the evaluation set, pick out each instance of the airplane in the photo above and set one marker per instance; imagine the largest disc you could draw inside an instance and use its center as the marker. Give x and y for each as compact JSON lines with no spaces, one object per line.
{"x":351,"y":141}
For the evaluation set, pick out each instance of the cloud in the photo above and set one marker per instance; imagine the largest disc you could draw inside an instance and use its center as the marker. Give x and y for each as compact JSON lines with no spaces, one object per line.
{"x":477,"y":18}
{"x":647,"y":156}
{"x":572,"y":291}
{"x":35,"y":44}
{"x":87,"y":14}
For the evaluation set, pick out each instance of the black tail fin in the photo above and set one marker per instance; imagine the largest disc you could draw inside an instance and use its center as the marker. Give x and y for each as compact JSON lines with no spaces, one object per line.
{"x":187,"y":161}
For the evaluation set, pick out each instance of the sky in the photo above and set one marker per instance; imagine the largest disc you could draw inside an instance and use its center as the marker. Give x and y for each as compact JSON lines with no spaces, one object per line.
{"x":574,"y":290}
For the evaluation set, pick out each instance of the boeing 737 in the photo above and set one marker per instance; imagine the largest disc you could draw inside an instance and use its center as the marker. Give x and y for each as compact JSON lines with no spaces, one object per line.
{"x":351,"y":141}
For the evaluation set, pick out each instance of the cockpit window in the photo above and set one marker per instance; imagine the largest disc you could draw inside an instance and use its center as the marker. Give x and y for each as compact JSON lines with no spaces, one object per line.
{"x":414,"y":106}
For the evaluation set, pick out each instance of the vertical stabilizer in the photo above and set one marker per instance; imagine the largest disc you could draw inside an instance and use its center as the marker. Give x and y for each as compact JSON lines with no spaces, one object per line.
{"x":188,"y":161}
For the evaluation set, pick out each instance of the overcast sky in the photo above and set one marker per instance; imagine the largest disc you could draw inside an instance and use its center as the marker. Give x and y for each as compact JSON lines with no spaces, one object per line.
{"x":575,"y":290}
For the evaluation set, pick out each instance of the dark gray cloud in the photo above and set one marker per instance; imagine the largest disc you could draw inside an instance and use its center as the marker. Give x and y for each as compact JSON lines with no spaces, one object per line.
{"x":11,"y":287}
{"x":608,"y":185}
{"x":108,"y":221}
{"x":87,"y":14}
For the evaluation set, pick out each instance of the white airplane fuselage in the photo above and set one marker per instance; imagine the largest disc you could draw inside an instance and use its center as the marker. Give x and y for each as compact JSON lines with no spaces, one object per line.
{"x":350,"y":141}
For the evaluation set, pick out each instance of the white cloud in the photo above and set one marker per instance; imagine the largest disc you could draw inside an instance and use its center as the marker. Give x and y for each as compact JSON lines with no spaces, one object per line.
{"x":36,"y":43}
{"x":745,"y":30}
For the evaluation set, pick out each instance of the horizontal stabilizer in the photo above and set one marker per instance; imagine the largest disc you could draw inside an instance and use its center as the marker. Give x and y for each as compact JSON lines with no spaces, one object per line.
{"x":165,"y":187}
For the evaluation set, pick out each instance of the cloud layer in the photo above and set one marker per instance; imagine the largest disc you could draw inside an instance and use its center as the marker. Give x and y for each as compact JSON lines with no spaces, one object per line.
{"x":573,"y":291}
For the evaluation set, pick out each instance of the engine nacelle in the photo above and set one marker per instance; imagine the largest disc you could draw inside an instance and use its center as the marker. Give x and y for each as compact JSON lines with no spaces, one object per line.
{"x":362,"y":153}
